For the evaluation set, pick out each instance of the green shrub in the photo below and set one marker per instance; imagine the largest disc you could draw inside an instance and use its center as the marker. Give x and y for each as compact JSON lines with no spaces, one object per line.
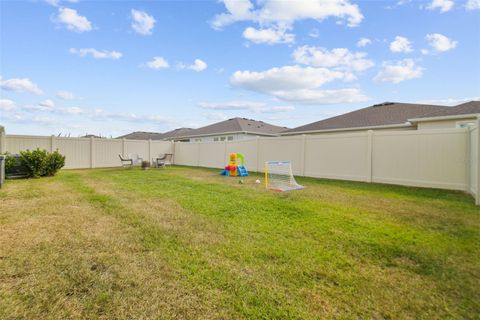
{"x":9,"y":162}
{"x":39,"y":163}
{"x":55,"y":161}
{"x":34,"y":161}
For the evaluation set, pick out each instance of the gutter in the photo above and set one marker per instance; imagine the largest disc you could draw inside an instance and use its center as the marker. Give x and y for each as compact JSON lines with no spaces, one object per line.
{"x":452,"y":117}
{"x":389,"y":126}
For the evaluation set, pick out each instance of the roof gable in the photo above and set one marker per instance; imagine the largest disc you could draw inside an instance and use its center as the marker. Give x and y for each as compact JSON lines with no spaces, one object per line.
{"x":471,"y":107}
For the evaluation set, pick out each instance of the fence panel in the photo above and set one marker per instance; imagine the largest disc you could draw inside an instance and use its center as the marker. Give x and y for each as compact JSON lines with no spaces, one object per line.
{"x":337,"y":156}
{"x":106,"y":151}
{"x":139,"y":147}
{"x":159,"y":148}
{"x":211,"y":154}
{"x":75,"y":150}
{"x":186,"y":153}
{"x":474,"y":153}
{"x":282,"y":149}
{"x":17,"y":143}
{"x":248,"y":148}
{"x":428,"y":158}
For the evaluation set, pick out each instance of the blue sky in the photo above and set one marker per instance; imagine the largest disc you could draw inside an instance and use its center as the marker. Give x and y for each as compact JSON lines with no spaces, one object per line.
{"x":112,"y":67}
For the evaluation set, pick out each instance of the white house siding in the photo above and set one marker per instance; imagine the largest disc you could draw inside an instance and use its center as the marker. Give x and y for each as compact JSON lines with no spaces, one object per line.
{"x":444,"y":124}
{"x":225,"y":137}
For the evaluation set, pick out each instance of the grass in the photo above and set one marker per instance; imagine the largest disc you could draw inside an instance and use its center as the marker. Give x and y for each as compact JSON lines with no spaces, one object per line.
{"x":187,"y":243}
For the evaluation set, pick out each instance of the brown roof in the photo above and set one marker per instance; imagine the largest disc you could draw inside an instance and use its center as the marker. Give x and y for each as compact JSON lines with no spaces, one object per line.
{"x":236,"y":125}
{"x":176,"y":133}
{"x":472,"y":107}
{"x":387,"y":113}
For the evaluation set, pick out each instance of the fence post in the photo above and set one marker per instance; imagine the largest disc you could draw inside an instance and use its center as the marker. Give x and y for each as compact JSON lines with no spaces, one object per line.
{"x":173,"y":143}
{"x":91,"y":152}
{"x":477,"y":160}
{"x":52,"y":143}
{"x":302,"y":155}
{"x":225,"y":153}
{"x":124,"y":142}
{"x":369,"y":155}
{"x":3,"y":142}
{"x":257,"y":152}
{"x":149,"y":150}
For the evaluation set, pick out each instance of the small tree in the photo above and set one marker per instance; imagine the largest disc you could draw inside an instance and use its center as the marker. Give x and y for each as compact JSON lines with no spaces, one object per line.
{"x":55,"y":161}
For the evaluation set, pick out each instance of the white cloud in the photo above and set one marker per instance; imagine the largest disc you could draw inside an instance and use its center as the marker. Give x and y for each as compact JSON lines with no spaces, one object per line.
{"x":198,"y":65}
{"x":297,"y":84}
{"x":339,"y":57}
{"x":71,"y":110}
{"x":65,"y":95}
{"x":440,"y":43}
{"x":363,"y":42}
{"x":55,"y":3}
{"x":283,"y":13}
{"x":254,"y":106}
{"x":143,"y":23}
{"x":7,"y":105}
{"x":399,"y":71}
{"x":401,"y":44}
{"x":425,"y":51}
{"x":268,"y":35}
{"x":472,"y":5}
{"x":97,"y":54}
{"x":47,"y":104}
{"x":449,"y":101}
{"x":442,"y":5}
{"x":20,"y":85}
{"x":158,"y":63}
{"x":73,"y":20}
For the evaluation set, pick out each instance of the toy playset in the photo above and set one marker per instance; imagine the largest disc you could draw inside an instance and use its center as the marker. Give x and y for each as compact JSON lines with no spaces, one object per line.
{"x":234,"y":169}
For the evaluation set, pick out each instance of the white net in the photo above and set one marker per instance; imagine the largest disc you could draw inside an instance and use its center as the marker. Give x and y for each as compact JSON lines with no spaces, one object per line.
{"x":279,"y":176}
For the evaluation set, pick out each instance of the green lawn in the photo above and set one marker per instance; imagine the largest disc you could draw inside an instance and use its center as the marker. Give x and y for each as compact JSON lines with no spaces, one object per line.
{"x":186,"y":243}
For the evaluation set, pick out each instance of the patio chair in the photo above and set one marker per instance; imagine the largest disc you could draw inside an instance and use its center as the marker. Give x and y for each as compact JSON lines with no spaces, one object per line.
{"x":136,"y":159}
{"x":126,"y":162}
{"x":165,"y":160}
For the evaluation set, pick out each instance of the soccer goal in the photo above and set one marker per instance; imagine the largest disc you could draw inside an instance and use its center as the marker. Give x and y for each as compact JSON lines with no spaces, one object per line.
{"x":279,"y":176}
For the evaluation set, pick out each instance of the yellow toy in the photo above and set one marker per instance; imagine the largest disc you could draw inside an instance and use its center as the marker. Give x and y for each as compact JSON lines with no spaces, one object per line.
{"x":233,"y":169}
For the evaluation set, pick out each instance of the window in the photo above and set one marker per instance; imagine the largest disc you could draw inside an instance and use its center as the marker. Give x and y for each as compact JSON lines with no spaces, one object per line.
{"x":198,"y":140}
{"x":230,"y":138}
{"x":466,"y":124}
{"x":215,"y":139}
{"x":222,"y":138}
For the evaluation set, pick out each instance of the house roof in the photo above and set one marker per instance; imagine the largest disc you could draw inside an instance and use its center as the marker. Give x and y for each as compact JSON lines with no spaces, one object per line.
{"x":176,"y":133}
{"x":472,"y":107}
{"x":141,"y":135}
{"x":236,"y":125}
{"x":387,"y":114}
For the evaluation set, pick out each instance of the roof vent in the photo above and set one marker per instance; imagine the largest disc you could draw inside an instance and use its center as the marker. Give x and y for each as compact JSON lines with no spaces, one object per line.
{"x":383,"y":104}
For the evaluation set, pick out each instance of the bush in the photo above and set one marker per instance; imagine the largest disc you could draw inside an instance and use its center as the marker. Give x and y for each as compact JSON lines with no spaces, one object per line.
{"x":10,"y":162}
{"x":39,"y":163}
{"x":55,"y":161}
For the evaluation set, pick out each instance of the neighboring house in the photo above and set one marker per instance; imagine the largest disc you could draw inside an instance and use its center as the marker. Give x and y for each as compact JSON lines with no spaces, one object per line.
{"x":384,"y":116}
{"x":461,"y":116}
{"x":91,"y":136}
{"x":229,"y":130}
{"x":141,"y":135}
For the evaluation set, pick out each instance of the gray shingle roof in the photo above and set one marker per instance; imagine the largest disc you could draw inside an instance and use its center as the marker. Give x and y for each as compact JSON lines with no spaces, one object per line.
{"x":141,"y":135}
{"x":472,"y":107}
{"x":387,"y":113}
{"x":236,"y":125}
{"x":176,"y":133}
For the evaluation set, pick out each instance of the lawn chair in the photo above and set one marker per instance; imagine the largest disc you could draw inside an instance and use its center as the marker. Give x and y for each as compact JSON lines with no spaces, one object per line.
{"x":165,"y":160}
{"x":136,"y":159}
{"x":126,"y":162}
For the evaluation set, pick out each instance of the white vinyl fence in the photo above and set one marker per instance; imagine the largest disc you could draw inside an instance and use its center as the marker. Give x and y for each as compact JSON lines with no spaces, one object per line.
{"x":436,"y":158}
{"x":88,"y":152}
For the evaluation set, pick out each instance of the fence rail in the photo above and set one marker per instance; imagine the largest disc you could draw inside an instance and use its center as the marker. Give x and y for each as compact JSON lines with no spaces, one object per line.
{"x":437,"y":158}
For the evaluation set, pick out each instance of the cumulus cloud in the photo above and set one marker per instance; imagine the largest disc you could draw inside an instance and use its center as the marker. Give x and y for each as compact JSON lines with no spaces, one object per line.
{"x":399,"y":71}
{"x":363,"y":42}
{"x":254,"y":106}
{"x":268,"y":35}
{"x":472,"y":5}
{"x":65,"y":95}
{"x":7,"y":105}
{"x":339,"y":57}
{"x":297,"y":84}
{"x":401,"y":44}
{"x":158,"y":63}
{"x":143,"y":23}
{"x":440,"y":43}
{"x":73,"y":21}
{"x":97,"y":54}
{"x":442,"y":5}
{"x":283,"y":13}
{"x":198,"y":65}
{"x":20,"y":85}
